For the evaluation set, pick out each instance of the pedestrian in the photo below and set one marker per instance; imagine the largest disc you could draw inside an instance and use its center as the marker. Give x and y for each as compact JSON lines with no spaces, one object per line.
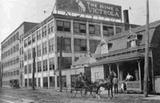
{"x":115,"y":84}
{"x":129,"y":77}
{"x":123,"y":87}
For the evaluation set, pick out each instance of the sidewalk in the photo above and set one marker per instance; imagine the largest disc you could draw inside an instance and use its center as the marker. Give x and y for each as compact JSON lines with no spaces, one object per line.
{"x":153,"y":97}
{"x":54,"y":96}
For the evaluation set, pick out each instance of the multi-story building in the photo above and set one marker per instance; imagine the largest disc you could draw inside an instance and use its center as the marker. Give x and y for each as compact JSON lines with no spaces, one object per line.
{"x":80,"y":36}
{"x":0,"y":74}
{"x":10,"y":55}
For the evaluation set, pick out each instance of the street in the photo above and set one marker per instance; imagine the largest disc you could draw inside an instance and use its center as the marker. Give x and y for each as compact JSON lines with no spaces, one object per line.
{"x":52,"y":96}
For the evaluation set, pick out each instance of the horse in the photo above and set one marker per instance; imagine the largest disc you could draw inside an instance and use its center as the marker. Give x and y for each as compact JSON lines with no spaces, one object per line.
{"x":82,"y":84}
{"x":115,"y":85}
{"x":106,"y":84}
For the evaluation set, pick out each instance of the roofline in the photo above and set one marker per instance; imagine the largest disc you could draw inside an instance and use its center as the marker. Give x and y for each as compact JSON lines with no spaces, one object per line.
{"x":89,"y":19}
{"x":15,"y":31}
{"x":38,"y":25}
{"x":61,"y":16}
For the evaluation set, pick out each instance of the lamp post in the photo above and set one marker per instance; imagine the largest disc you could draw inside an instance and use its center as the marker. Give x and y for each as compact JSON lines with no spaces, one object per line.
{"x":146,"y":51}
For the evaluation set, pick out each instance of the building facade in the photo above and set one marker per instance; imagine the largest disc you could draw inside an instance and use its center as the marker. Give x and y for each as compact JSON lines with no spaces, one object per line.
{"x":80,"y":36}
{"x":10,"y":56}
{"x":125,"y":55}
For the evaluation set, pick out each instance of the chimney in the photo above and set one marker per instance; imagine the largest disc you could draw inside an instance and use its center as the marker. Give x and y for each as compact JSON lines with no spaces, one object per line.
{"x":126,"y":19}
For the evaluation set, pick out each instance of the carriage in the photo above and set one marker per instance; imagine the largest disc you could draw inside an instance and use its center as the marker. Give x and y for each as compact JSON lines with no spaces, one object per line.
{"x":94,"y":88}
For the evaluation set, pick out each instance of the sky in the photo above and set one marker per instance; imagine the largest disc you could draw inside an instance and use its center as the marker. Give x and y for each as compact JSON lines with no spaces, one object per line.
{"x":14,"y":12}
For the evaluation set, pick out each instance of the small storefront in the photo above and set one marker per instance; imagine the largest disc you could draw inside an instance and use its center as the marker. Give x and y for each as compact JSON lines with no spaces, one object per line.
{"x":129,"y":61}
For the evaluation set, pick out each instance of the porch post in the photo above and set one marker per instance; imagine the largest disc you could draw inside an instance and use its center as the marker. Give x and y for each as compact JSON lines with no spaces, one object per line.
{"x":117,"y":70}
{"x":139,"y":69}
{"x":109,"y":65}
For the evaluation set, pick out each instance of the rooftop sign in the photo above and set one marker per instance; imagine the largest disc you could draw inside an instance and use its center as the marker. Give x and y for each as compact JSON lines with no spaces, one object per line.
{"x":90,"y":7}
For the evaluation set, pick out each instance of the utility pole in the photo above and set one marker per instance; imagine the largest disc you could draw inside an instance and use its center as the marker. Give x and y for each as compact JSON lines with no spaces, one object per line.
{"x":33,"y":72}
{"x":146,"y":51}
{"x":60,"y":63}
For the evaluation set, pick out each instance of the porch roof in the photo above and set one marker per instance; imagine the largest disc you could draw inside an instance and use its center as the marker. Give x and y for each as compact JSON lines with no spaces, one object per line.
{"x":130,"y":55}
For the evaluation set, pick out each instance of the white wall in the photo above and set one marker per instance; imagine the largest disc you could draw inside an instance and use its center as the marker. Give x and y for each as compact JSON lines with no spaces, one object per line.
{"x":97,"y":72}
{"x":157,"y":84}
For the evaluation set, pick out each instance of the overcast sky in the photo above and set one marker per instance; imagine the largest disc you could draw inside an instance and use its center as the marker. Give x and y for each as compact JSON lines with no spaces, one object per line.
{"x":14,"y":12}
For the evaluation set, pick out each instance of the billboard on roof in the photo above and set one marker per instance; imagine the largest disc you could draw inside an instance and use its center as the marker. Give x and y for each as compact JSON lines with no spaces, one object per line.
{"x":90,"y":7}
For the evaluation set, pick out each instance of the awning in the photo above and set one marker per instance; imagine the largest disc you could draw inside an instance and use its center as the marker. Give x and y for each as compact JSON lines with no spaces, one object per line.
{"x":119,"y":58}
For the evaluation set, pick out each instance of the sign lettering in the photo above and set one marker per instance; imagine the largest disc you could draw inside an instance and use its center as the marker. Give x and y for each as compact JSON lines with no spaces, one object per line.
{"x":90,"y":7}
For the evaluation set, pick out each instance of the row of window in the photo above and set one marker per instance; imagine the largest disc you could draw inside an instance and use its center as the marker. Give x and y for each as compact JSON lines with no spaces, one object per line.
{"x":37,"y":35}
{"x":10,"y":51}
{"x":80,"y":45}
{"x":40,"y":66}
{"x":10,"y":74}
{"x":28,"y":82}
{"x":81,"y":28}
{"x":41,"y":49}
{"x":10,"y":41}
{"x":51,"y":80}
{"x":11,"y":62}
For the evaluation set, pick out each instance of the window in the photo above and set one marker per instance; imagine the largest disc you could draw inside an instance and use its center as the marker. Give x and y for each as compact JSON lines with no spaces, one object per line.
{"x":44,"y":48}
{"x":45,"y":67}
{"x":64,"y":84}
{"x":94,"y":30}
{"x":52,"y":81}
{"x":108,"y":31}
{"x":63,"y":26}
{"x":25,"y":69}
{"x":51,"y":64}
{"x":25,"y":42}
{"x":51,"y":45}
{"x":25,"y":56}
{"x":39,"y":50}
{"x":30,"y":68}
{"x":66,"y":44}
{"x":39,"y":82}
{"x":79,"y":28}
{"x":38,"y":34}
{"x":44,"y":31}
{"x":39,"y":66}
{"x":25,"y":82}
{"x":50,"y":27}
{"x":66,"y":62}
{"x":29,"y":54}
{"x":29,"y":40}
{"x":67,"y":26}
{"x":82,"y":28}
{"x":30,"y":82}
{"x":93,"y":45}
{"x":118,"y":30}
{"x":80,"y":45}
{"x":33,"y":38}
{"x":45,"y":82}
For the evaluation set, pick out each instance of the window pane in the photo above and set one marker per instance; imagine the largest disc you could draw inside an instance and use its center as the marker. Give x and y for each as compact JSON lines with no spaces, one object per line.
{"x":108,"y":31}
